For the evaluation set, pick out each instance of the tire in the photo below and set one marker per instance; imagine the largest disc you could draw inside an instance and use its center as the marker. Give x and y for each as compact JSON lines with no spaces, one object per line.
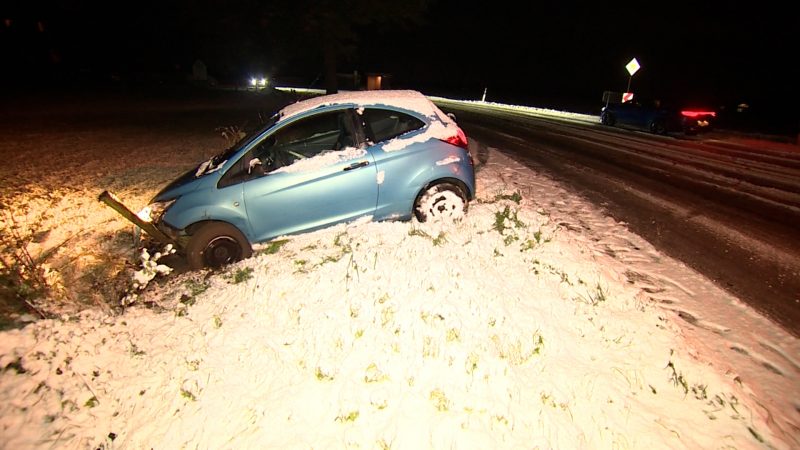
{"x":658,"y":127}
{"x":216,"y":244}
{"x":441,"y":202}
{"x":607,"y":119}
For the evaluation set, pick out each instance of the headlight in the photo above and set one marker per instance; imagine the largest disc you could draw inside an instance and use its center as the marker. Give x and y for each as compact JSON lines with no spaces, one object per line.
{"x":253,"y":81}
{"x":152,"y":213}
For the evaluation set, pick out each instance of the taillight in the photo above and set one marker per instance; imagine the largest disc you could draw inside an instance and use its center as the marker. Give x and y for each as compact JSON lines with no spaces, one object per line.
{"x":692,"y":114}
{"x":459,"y":139}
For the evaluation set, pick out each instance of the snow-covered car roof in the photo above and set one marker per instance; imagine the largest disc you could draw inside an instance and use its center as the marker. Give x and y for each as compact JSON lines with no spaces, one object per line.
{"x":405,"y":99}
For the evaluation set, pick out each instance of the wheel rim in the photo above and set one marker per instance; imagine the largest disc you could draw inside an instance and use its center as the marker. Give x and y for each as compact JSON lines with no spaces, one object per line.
{"x":657,"y":127}
{"x":445,"y":205}
{"x":222,"y":250}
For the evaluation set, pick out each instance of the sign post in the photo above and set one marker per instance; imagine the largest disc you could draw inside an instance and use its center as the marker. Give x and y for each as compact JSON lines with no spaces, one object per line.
{"x":632,"y":67}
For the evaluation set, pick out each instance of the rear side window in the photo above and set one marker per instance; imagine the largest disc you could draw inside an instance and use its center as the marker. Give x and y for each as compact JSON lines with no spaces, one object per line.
{"x":383,"y":124}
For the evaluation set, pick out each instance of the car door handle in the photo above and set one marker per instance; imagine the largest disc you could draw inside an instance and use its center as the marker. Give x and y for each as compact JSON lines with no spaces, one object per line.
{"x":356,"y":165}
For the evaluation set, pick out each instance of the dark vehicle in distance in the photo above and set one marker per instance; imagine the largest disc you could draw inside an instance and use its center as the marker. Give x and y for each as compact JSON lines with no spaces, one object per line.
{"x":652,"y":116}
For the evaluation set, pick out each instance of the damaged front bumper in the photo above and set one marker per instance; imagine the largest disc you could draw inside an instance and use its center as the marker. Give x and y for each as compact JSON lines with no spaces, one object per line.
{"x":157,"y":233}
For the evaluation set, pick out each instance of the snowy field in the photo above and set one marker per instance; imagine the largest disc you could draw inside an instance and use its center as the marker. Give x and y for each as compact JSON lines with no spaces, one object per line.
{"x":535,"y":322}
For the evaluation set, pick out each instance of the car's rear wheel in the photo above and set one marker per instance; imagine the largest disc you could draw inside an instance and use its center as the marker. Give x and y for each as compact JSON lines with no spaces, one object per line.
{"x":441,"y":202}
{"x":607,"y":119}
{"x":216,"y":244}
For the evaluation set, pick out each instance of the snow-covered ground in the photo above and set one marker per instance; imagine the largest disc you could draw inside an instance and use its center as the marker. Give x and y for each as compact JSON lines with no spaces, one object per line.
{"x":535,"y":322}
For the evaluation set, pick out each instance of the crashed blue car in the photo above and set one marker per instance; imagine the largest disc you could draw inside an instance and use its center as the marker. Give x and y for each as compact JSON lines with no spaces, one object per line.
{"x":318,"y":162}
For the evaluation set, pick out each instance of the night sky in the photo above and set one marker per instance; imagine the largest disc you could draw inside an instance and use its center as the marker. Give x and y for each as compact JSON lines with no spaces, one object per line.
{"x":543,"y":53}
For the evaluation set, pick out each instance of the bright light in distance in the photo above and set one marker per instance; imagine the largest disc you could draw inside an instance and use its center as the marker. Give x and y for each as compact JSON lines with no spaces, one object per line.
{"x":258,"y":82}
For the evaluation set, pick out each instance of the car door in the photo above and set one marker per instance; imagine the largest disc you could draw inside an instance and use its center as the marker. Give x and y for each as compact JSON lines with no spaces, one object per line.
{"x":629,"y":114}
{"x":309,"y":174}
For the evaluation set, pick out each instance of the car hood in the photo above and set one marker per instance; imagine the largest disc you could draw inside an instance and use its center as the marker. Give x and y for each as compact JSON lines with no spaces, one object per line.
{"x":185,"y":183}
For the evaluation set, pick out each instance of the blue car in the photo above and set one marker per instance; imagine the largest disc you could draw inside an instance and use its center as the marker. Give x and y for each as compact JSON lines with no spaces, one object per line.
{"x":651,"y":115}
{"x":319,"y":162}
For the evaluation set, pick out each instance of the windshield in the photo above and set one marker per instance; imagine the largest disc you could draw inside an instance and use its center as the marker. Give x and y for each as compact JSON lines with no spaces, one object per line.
{"x":250,"y":134}
{"x":215,"y":162}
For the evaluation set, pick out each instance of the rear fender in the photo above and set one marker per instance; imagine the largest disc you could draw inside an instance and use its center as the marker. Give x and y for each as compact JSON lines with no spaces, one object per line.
{"x":456,"y":181}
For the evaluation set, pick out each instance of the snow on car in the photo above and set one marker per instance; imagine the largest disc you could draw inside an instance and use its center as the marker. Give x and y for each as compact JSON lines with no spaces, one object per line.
{"x":317,"y":162}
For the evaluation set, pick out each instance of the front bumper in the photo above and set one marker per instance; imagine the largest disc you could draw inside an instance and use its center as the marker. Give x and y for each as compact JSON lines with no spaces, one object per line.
{"x":157,"y":233}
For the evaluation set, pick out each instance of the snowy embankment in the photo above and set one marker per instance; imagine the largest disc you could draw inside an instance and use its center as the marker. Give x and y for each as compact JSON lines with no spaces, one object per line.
{"x":519,"y":327}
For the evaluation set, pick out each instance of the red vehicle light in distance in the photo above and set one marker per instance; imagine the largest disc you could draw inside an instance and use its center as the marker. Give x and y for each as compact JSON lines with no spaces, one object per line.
{"x":692,"y":114}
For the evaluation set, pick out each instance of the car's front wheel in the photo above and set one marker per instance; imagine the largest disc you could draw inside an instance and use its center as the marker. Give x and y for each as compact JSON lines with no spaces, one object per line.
{"x":443,"y":201}
{"x":607,"y":119}
{"x":216,"y":244}
{"x":658,"y":127}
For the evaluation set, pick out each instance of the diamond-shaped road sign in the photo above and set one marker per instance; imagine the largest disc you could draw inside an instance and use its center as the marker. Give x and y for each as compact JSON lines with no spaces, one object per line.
{"x":633,"y":66}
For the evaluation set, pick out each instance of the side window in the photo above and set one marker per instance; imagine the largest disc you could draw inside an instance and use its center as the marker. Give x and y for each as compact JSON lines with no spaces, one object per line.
{"x":383,"y":124}
{"x":305,"y":138}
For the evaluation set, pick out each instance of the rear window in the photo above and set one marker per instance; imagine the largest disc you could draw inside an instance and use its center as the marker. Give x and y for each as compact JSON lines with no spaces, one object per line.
{"x":383,"y":124}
